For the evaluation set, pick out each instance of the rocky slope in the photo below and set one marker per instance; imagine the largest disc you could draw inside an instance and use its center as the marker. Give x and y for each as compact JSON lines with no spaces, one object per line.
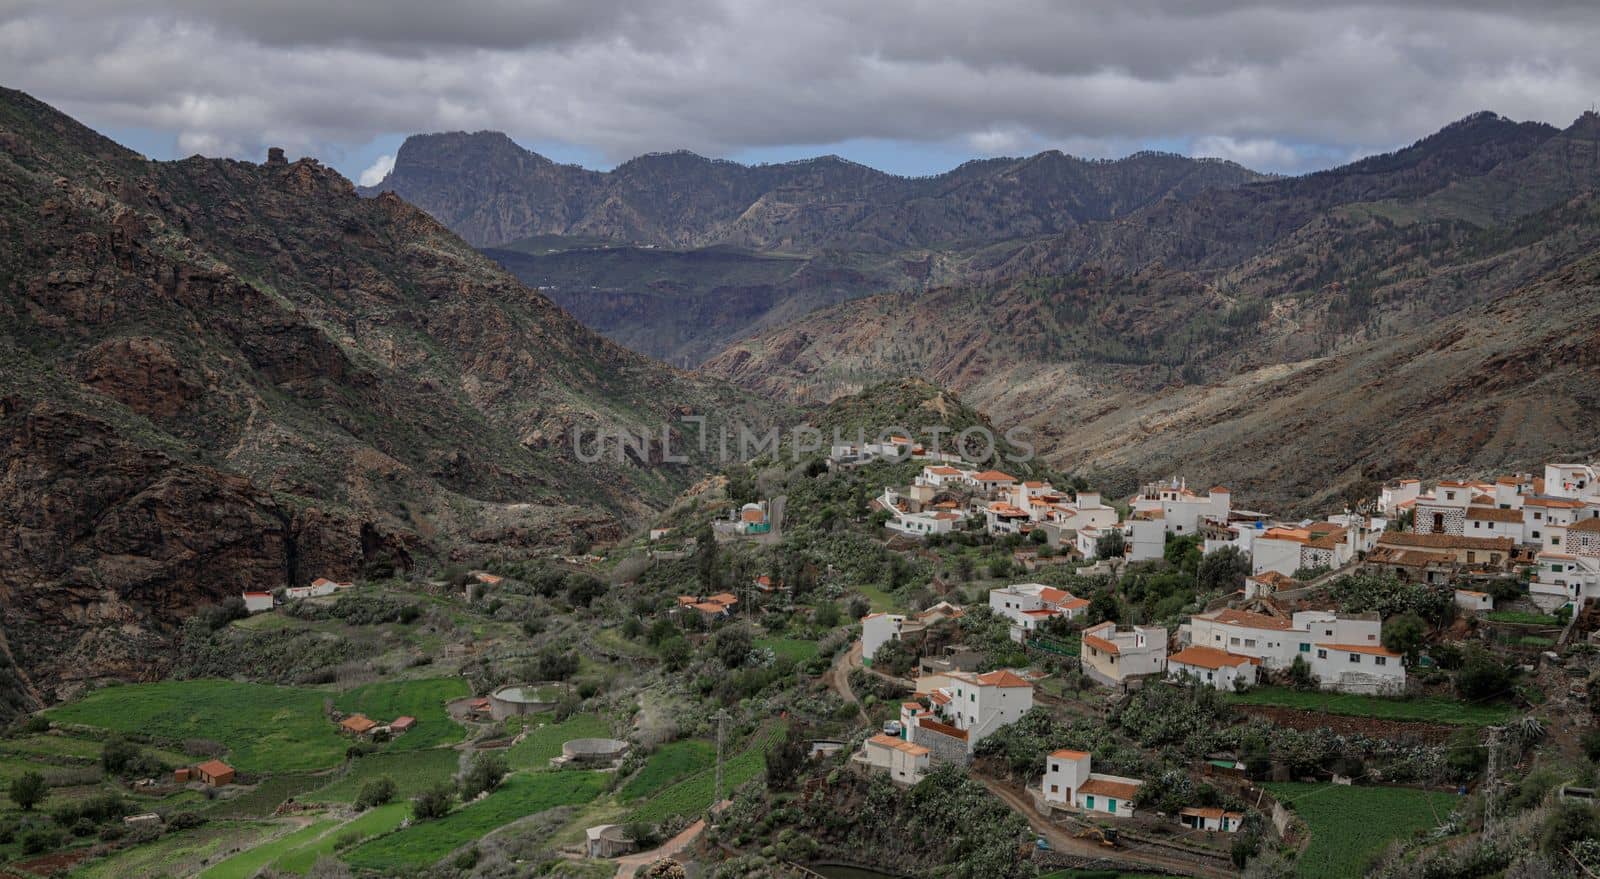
{"x":218,"y":375}
{"x":1196,"y":330}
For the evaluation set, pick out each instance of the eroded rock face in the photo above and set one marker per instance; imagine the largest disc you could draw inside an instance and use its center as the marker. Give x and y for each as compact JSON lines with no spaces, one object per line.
{"x":141,"y":373}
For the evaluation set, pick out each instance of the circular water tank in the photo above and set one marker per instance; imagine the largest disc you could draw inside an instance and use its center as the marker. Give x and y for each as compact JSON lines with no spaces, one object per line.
{"x":513,"y":700}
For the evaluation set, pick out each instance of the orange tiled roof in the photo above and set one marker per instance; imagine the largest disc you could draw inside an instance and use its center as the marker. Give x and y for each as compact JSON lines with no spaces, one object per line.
{"x":1369,"y":649}
{"x":1251,"y":620}
{"x":1494,"y":515}
{"x":1002,"y":678}
{"x":1443,"y":541}
{"x":1069,"y":754}
{"x":1586,"y":525}
{"x":1209,"y":657}
{"x":1102,"y":787}
{"x":993,"y":476}
{"x":358,"y":723}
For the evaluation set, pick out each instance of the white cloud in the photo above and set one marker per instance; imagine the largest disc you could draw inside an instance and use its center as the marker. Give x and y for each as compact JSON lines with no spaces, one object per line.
{"x":1257,"y":152}
{"x":378,"y":170}
{"x":1290,"y":82}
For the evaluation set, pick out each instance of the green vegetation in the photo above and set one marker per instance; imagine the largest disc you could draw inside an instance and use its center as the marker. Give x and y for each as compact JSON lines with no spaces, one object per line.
{"x":797,"y":649}
{"x":544,"y":744}
{"x":378,"y":821}
{"x":693,"y":795}
{"x":248,"y":863}
{"x":668,"y":764}
{"x":177,"y":854}
{"x":1422,"y":709}
{"x":1517,"y":616}
{"x":266,"y":728}
{"x":425,"y":700}
{"x":412,"y":772}
{"x":1349,"y":825}
{"x":267,"y":796}
{"x":521,"y":795}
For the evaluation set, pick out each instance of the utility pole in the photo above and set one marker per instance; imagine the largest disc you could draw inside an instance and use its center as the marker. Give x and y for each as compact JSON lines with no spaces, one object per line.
{"x":722,"y":723}
{"x":1490,"y":782}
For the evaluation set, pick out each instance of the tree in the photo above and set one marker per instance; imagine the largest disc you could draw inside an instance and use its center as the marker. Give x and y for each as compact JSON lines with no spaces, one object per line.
{"x":28,"y":790}
{"x":1103,"y":606}
{"x":1223,"y":570}
{"x":1482,"y":676}
{"x":826,"y":614}
{"x":731,"y":646}
{"x":488,"y":769}
{"x":1111,"y":545}
{"x":705,"y":559}
{"x":1300,"y":676}
{"x":435,"y":802}
{"x":786,"y":760}
{"x":1406,"y":634}
{"x":375,"y":793}
{"x":1038,"y":535}
{"x":675,"y":652}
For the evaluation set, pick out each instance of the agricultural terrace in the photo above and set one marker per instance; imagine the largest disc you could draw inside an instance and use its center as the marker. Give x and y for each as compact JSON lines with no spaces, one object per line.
{"x":1350,"y":825}
{"x":543,"y":744}
{"x":424,"y":699}
{"x":412,"y":772}
{"x":693,"y":795}
{"x":668,"y":764}
{"x":1422,"y":709}
{"x":522,"y":794}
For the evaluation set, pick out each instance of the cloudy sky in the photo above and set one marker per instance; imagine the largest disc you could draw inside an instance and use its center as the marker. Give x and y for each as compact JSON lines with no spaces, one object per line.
{"x":912,"y":86}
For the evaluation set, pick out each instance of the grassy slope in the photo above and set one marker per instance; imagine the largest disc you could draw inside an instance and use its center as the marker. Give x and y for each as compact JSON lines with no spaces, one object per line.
{"x":265,"y":728}
{"x":423,"y":700}
{"x":544,"y":744}
{"x":412,"y":772}
{"x":667,"y":765}
{"x":1351,"y":824}
{"x":693,"y":795}
{"x":247,"y":864}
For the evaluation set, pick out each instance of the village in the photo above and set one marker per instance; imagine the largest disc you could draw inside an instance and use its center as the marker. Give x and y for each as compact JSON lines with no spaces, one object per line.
{"x":1155,"y":682}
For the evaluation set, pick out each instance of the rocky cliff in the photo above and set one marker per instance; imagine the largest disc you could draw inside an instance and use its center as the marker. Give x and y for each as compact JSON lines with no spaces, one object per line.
{"x":220,"y":375}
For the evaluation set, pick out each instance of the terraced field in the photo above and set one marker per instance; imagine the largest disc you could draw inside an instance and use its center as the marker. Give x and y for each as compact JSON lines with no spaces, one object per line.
{"x":1349,"y":825}
{"x":522,"y":794}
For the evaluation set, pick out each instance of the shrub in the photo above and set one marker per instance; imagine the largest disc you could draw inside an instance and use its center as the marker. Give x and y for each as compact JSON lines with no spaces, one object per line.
{"x":376,"y":792}
{"x":185,"y":820}
{"x":435,"y":802}
{"x":28,"y":790}
{"x":485,"y":774}
{"x":37,"y":842}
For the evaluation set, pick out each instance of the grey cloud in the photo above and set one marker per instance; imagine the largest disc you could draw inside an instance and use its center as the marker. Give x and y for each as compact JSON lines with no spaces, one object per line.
{"x":1290,"y":84}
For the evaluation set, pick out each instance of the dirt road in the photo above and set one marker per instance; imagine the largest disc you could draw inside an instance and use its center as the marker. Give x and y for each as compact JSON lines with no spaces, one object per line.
{"x":838,"y":676}
{"x":1063,"y":841}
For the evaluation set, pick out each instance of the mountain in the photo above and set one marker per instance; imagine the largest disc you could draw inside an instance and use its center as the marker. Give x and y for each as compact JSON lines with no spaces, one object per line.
{"x":1254,"y":335}
{"x":493,"y":193}
{"x":676,"y":255}
{"x":219,"y":375}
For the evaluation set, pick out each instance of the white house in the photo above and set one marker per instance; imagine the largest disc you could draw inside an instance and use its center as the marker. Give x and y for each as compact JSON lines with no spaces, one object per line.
{"x":318,"y":588}
{"x":257,"y":602}
{"x":904,"y":762}
{"x":1215,"y":668}
{"x":1344,"y":651}
{"x":1181,"y":510}
{"x":1147,"y":535}
{"x":878,"y":629}
{"x":1029,"y":604}
{"x":1396,"y":498}
{"x":1212,"y":818}
{"x":1315,"y":545}
{"x":1115,"y":658}
{"x":1573,"y":575}
{"x":941,"y":476}
{"x":1473,"y":601}
{"x":1004,"y":517}
{"x":1069,"y":783}
{"x":990,"y":480}
{"x":924,"y":523}
{"x":980,"y":704}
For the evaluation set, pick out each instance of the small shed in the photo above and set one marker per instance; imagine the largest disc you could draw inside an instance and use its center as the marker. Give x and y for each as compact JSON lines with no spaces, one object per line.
{"x":182,"y":776}
{"x":215,"y":773}
{"x":402,"y":724}
{"x":257,"y":602}
{"x":358,"y":724}
{"x":148,"y":819}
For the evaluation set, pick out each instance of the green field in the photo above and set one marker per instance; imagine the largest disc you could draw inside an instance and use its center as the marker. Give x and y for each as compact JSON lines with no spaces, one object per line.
{"x":412,"y":771}
{"x":544,"y":744}
{"x":522,"y":794}
{"x":266,"y":728}
{"x":380,"y":820}
{"x":247,"y":864}
{"x":797,"y":649}
{"x":267,"y":796}
{"x":1426,"y":709}
{"x":423,"y":700}
{"x":668,"y":764}
{"x":1349,"y":825}
{"x":693,"y":795}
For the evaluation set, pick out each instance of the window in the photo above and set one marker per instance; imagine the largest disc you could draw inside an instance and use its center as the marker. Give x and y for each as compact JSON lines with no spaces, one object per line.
{"x":1305,"y":648}
{"x":1089,"y":801}
{"x":1380,"y":660}
{"x":1355,"y":658}
{"x":1535,"y":535}
{"x":1554,"y":540}
{"x":1233,"y":641}
{"x":1249,"y":642}
{"x":1449,"y":495}
{"x":1055,"y":788}
{"x":1322,"y":654}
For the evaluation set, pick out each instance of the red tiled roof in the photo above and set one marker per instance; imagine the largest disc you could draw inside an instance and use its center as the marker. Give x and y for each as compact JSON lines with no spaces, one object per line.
{"x":993,"y":476}
{"x":1586,"y":525}
{"x":1002,"y":678}
{"x":1069,"y":754}
{"x":358,"y":723}
{"x":946,"y":729}
{"x":1494,"y":515}
{"x":1101,"y":644}
{"x":1443,"y":541}
{"x":214,"y":768}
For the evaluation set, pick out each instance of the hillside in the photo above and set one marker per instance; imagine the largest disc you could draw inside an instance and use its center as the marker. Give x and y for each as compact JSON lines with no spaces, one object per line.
{"x":1173,"y":351}
{"x":219,"y":375}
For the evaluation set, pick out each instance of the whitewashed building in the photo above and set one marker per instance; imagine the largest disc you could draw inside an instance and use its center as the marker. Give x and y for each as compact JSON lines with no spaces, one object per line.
{"x":1069,"y":782}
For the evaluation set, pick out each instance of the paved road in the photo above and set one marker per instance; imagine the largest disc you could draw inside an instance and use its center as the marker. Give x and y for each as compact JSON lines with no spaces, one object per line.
{"x":1062,"y":840}
{"x":628,"y":865}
